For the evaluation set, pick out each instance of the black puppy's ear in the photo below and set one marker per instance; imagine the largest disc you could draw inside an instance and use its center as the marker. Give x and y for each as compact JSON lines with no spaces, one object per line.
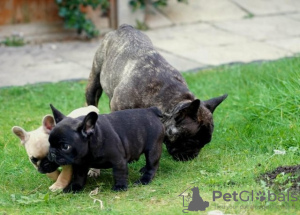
{"x":58,"y":116}
{"x":213,"y":103}
{"x":190,"y":109}
{"x":88,"y":125}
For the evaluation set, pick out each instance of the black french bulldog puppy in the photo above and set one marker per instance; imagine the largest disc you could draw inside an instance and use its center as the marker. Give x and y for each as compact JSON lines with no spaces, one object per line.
{"x":107,"y":141}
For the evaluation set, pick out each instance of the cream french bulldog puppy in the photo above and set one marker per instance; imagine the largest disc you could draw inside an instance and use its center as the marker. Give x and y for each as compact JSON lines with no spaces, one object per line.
{"x":37,"y":147}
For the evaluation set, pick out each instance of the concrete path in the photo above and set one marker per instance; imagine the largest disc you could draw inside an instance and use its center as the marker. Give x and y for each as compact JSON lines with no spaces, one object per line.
{"x":193,"y":36}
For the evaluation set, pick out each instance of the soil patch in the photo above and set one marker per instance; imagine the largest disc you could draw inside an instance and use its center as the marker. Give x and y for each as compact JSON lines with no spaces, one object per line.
{"x":282,"y":178}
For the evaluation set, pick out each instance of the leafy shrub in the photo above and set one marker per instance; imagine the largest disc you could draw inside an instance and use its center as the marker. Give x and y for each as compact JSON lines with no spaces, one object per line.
{"x":74,"y":18}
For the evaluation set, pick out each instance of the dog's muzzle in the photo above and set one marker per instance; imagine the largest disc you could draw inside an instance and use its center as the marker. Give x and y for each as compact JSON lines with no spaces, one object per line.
{"x":51,"y":156}
{"x":47,"y":166}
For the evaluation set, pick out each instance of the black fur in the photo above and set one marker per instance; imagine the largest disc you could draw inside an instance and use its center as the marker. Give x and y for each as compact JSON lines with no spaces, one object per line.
{"x":107,"y":141}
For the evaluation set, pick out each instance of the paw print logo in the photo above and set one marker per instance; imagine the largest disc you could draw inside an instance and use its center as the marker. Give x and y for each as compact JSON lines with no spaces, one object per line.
{"x":261,"y":196}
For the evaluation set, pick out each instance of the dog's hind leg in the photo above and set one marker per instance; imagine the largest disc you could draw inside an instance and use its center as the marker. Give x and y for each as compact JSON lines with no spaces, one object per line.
{"x":148,"y":171}
{"x":94,"y":89}
{"x":120,"y":174}
{"x":152,"y":159}
{"x":152,"y":163}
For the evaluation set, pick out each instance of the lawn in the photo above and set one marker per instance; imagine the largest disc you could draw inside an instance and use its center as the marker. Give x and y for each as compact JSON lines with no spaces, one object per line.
{"x":260,"y":115}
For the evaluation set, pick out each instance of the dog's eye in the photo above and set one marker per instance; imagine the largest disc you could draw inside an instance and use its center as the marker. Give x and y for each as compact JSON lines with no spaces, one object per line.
{"x":65,"y":147}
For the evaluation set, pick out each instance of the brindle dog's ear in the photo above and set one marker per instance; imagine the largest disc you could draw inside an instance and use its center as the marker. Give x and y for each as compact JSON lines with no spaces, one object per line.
{"x":58,"y":116}
{"x":88,"y":125}
{"x":189,"y":109}
{"x":213,"y":103}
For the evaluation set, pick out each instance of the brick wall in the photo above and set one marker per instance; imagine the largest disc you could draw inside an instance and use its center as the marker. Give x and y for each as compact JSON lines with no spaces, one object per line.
{"x":28,"y":11}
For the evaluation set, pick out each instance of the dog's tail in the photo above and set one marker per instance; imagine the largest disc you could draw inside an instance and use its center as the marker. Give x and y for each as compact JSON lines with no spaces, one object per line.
{"x":94,"y":89}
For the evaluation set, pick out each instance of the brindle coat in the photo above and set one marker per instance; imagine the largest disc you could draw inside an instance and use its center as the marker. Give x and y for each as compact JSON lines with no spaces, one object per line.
{"x":134,"y":75}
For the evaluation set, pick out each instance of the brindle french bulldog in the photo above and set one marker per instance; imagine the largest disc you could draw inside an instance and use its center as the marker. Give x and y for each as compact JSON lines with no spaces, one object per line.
{"x":134,"y":75}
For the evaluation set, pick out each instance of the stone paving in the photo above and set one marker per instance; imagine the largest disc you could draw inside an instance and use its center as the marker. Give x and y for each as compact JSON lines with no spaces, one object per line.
{"x":190,"y":36}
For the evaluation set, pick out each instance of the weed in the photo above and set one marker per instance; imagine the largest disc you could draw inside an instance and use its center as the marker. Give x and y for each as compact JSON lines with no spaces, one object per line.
{"x":14,"y":40}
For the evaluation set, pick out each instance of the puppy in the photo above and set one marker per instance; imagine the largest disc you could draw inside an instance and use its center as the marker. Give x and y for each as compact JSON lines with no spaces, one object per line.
{"x":134,"y":75}
{"x":107,"y":141}
{"x":37,"y":147}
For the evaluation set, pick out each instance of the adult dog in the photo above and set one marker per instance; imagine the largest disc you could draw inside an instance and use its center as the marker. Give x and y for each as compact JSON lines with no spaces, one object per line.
{"x":134,"y":75}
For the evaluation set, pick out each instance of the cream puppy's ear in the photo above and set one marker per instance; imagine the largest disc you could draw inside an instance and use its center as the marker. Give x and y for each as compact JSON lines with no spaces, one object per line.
{"x":21,"y":133}
{"x":48,"y":123}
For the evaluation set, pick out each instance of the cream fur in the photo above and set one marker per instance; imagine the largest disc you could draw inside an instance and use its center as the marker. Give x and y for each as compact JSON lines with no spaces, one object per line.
{"x":36,"y":145}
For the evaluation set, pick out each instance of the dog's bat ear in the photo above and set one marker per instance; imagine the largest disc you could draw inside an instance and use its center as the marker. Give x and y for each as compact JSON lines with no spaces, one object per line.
{"x":48,"y":123}
{"x":21,"y":133}
{"x":194,"y":106}
{"x":190,"y":108}
{"x":213,"y":103}
{"x":88,"y":125}
{"x":58,"y":116}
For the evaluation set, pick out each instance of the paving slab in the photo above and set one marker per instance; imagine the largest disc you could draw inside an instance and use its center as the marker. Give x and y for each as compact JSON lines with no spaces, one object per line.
{"x":197,"y":35}
{"x":235,"y":53}
{"x":268,"y":7}
{"x":81,"y":53}
{"x":43,"y":63}
{"x":57,"y":71}
{"x":263,"y":28}
{"x":290,"y":44}
{"x":180,"y":63}
{"x":126,"y":16}
{"x":202,"y":10}
{"x":177,"y":38}
{"x":155,"y":19}
{"x":295,"y":16}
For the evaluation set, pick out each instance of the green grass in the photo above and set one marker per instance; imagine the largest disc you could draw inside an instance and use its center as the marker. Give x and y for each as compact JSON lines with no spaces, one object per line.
{"x":261,"y":114}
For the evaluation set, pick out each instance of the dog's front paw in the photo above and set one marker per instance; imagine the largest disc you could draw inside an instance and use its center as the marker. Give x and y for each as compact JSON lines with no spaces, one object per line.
{"x":56,"y":187}
{"x":94,"y":173}
{"x":142,"y":181}
{"x":143,"y":170}
{"x":73,"y":188}
{"x":119,"y":188}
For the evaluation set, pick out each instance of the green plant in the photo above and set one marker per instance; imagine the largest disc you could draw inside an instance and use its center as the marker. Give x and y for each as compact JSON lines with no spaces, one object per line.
{"x":71,"y":11}
{"x":14,"y":40}
{"x":249,"y":16}
{"x":30,"y":199}
{"x":141,"y":4}
{"x":141,"y":25}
